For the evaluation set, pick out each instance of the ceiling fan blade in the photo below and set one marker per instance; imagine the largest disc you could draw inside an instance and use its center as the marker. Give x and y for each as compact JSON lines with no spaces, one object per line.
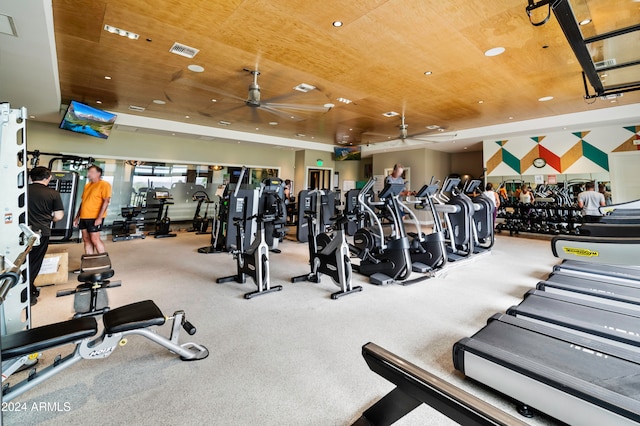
{"x":255,"y":117}
{"x":208,"y":88}
{"x":436,"y":137}
{"x":282,"y":114}
{"x":379,"y":134}
{"x":297,"y":107}
{"x":281,"y":97}
{"x":227,"y":111}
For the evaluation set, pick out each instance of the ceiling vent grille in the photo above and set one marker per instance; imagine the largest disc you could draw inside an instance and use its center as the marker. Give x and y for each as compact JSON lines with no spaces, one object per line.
{"x":605,"y":64}
{"x":304,"y":87}
{"x":184,"y":50}
{"x":136,"y":108}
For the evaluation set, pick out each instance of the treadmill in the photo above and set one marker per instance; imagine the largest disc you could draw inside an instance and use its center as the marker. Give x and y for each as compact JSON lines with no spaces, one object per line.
{"x":611,"y":293}
{"x":596,"y":271}
{"x":574,"y":379}
{"x":610,"y":251}
{"x":610,"y":230}
{"x":590,"y":319}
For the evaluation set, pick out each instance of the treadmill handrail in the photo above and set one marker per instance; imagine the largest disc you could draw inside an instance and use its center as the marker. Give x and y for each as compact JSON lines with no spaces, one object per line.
{"x":429,"y":389}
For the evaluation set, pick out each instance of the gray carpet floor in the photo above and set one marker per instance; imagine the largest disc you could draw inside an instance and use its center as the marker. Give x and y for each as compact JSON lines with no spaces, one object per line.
{"x":287,"y":358}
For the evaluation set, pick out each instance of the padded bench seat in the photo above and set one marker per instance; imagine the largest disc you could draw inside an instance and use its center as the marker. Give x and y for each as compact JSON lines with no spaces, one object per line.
{"x":92,"y":262}
{"x":95,"y":276}
{"x":130,"y":317}
{"x":48,"y":336}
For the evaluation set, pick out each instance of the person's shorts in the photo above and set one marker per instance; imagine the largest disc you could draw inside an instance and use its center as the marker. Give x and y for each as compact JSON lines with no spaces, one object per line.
{"x":89,"y":225}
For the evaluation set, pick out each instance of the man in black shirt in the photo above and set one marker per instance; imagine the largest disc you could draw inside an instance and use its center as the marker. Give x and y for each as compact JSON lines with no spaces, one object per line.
{"x":45,"y":205}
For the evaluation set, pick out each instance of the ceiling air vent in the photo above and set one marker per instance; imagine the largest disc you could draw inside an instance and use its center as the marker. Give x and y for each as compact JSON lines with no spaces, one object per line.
{"x":390,"y":114}
{"x":136,"y":108}
{"x":605,"y":64}
{"x":184,"y":50}
{"x":611,"y":96}
{"x":304,"y":87}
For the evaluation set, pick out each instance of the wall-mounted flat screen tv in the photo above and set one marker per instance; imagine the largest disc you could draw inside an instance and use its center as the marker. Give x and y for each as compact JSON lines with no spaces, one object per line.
{"x":81,"y":118}
{"x":343,"y":153}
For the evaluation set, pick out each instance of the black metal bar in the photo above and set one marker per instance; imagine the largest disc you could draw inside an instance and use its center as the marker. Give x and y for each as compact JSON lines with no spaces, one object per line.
{"x":631,"y":88}
{"x":416,"y":384}
{"x":614,"y":33}
{"x":571,"y":29}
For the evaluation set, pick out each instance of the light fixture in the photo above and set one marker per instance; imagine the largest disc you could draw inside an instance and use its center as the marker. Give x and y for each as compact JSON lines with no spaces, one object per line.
{"x":107,"y":77}
{"x":428,"y":72}
{"x":319,"y":162}
{"x":257,"y":128}
{"x":465,"y":147}
{"x":545,"y":98}
{"x":224,"y":123}
{"x":613,"y":101}
{"x":32,"y":116}
{"x":329,"y":105}
{"x":123,"y":33}
{"x":216,"y":168}
{"x":173,"y":134}
{"x":98,"y":101}
{"x":134,"y":163}
{"x":273,"y":123}
{"x":300,"y":135}
{"x":292,"y":117}
{"x":494,"y":51}
{"x":391,"y":114}
{"x":481,"y":101}
{"x":304,"y":87}
{"x":510,"y":118}
{"x":585,"y":21}
{"x":350,"y":129}
{"x":432,"y":127}
{"x":337,"y":24}
{"x":186,"y":116}
{"x":344,"y":100}
{"x":441,"y":130}
{"x":214,"y":100}
{"x":238,"y":142}
{"x":159,"y":101}
{"x":195,"y":68}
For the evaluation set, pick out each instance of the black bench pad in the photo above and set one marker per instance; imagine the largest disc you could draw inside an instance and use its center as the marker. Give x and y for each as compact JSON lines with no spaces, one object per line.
{"x":92,"y":262}
{"x":95,"y":276}
{"x":48,"y":336}
{"x":129,"y":317}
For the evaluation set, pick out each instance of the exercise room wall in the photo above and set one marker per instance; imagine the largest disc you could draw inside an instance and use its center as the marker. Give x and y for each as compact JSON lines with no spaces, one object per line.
{"x":423,"y":162}
{"x":467,"y":163}
{"x":148,"y":147}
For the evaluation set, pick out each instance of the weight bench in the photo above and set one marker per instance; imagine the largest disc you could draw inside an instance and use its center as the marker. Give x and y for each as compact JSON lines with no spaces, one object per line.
{"x":91,"y":296}
{"x":20,"y":349}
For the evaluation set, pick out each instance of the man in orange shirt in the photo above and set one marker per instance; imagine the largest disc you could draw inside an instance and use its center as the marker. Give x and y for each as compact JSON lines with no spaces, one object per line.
{"x":93,"y":210}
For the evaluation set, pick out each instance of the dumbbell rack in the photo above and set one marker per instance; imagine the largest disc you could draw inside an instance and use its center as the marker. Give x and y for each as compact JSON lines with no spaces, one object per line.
{"x":545,"y":216}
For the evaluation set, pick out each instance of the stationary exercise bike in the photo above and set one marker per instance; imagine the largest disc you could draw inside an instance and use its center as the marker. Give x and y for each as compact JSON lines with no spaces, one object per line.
{"x":328,"y":255}
{"x":254,"y":260}
{"x":121,"y":229}
{"x":200,"y":224}
{"x":163,"y":222}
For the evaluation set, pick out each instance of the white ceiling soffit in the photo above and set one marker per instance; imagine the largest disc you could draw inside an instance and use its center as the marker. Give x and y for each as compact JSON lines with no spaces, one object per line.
{"x":166,"y":127}
{"x":29,"y":61}
{"x":621,"y":115}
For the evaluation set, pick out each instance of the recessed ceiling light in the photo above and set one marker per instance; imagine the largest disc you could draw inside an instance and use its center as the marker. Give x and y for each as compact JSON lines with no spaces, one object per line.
{"x":273,"y":123}
{"x":329,"y":105}
{"x":564,"y":128}
{"x":159,"y":101}
{"x":337,"y":23}
{"x":453,"y":141}
{"x":313,"y":137}
{"x":98,"y":101}
{"x":350,"y":129}
{"x":214,"y":100}
{"x":195,"y":68}
{"x":480,"y":101}
{"x":344,"y":100}
{"x":32,"y":116}
{"x":257,"y":128}
{"x":441,"y":130}
{"x":123,"y":33}
{"x":224,"y":123}
{"x":173,"y":134}
{"x":432,"y":127}
{"x":391,"y":114}
{"x":494,"y":51}
{"x":465,"y":147}
{"x":428,"y":72}
{"x":613,"y":101}
{"x":293,"y":117}
{"x":300,"y":135}
{"x":106,"y":77}
{"x":238,"y":142}
{"x":510,"y":118}
{"x":585,"y":21}
{"x":186,"y":116}
{"x":545,"y":98}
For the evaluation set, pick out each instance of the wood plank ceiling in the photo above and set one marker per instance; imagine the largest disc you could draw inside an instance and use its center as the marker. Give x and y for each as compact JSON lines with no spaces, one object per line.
{"x":377,"y":59}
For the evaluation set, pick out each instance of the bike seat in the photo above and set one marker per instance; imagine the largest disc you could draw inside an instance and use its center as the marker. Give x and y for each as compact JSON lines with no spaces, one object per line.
{"x":96,"y":276}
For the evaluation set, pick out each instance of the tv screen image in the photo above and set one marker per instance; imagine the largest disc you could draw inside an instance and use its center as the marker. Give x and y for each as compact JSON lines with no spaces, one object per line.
{"x":343,"y":153}
{"x":81,"y":118}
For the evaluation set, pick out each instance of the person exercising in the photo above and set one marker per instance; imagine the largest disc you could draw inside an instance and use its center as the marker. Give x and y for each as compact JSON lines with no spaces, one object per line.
{"x":93,"y":210}
{"x":590,"y":202}
{"x":44,"y":206}
{"x":396,"y":177}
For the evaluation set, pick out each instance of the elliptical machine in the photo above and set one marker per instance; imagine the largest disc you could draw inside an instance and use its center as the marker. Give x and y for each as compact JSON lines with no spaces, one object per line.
{"x":457,"y":210}
{"x":384,"y":260}
{"x":482,"y":218}
{"x":328,"y":255}
{"x":253,"y":260}
{"x":426,"y":249}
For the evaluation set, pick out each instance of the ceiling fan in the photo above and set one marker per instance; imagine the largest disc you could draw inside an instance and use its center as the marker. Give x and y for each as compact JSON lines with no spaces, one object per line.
{"x":418,"y":137}
{"x":254,"y":101}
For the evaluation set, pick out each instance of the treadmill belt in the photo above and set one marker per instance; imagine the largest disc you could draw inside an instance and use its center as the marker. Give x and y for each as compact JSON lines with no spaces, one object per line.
{"x":585,"y":268}
{"x":597,"y":291}
{"x":588,"y":317}
{"x":577,"y":369}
